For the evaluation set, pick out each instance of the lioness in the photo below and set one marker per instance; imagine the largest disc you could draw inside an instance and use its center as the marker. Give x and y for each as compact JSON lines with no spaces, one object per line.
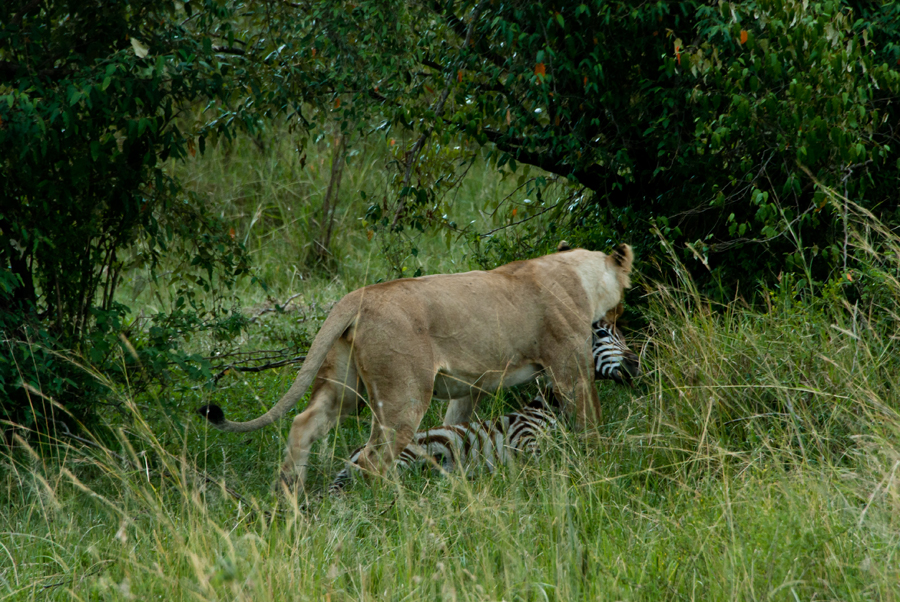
{"x":489,"y":443}
{"x":450,"y":336}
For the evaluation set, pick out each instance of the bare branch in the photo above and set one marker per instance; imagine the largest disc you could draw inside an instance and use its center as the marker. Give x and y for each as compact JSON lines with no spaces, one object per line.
{"x":269,"y":366}
{"x":229,"y":50}
{"x":90,"y":573}
{"x":591,"y":177}
{"x":521,"y":221}
{"x":332,"y":198}
{"x":459,"y":27}
{"x":278,"y":307}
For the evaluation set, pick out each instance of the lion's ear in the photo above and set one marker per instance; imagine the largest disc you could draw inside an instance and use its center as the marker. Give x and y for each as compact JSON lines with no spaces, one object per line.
{"x":563,"y":246}
{"x":624,"y":257}
{"x":621,"y":259}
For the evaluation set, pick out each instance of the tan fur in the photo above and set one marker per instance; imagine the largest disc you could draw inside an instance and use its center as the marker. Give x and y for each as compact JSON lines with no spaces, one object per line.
{"x":451,"y":336}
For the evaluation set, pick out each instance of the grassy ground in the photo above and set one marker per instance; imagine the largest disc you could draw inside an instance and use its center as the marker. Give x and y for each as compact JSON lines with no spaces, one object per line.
{"x":756,"y":459}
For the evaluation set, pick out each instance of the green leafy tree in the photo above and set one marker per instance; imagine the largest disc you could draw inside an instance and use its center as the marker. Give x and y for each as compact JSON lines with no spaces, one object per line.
{"x":94,"y":98}
{"x":709,"y":122}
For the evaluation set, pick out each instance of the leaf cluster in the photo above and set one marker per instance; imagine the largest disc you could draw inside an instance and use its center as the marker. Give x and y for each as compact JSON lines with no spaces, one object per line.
{"x":94,"y":98}
{"x":708,"y":122}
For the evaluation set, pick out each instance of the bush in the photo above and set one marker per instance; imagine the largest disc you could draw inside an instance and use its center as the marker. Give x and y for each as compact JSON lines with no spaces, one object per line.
{"x":91,"y":106}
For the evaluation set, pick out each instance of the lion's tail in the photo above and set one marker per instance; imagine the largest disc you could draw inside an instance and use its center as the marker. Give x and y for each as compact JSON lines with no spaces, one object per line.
{"x":623,"y":258}
{"x":341,"y":318}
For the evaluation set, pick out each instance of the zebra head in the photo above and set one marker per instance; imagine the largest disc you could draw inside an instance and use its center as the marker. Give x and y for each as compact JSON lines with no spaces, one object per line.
{"x":612,"y":358}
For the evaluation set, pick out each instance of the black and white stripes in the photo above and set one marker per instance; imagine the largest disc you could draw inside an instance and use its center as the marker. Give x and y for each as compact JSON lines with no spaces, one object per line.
{"x":612,"y":358}
{"x":471,"y":445}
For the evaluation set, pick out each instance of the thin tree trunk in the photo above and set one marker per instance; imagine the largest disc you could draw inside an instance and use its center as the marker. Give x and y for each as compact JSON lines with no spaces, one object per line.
{"x":332,"y":198}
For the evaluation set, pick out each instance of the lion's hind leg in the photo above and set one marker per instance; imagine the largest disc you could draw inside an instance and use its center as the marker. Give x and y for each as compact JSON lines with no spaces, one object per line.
{"x":336,"y":395}
{"x":308,"y":427}
{"x":394,"y":422}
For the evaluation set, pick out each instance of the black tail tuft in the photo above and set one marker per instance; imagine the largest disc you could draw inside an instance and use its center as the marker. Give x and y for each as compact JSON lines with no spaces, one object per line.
{"x":563,"y":246}
{"x":213,"y":413}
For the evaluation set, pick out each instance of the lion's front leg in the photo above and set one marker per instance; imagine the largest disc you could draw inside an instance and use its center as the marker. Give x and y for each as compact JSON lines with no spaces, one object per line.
{"x":587,"y":404}
{"x":574,"y":386}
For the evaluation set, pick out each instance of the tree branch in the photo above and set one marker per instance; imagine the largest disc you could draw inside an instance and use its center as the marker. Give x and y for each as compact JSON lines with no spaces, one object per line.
{"x":269,"y":366}
{"x":521,"y":221}
{"x":332,"y":198}
{"x":90,"y":573}
{"x":591,"y":177}
{"x":8,"y":70}
{"x":229,"y":50}
{"x":459,"y":27}
{"x":278,"y":307}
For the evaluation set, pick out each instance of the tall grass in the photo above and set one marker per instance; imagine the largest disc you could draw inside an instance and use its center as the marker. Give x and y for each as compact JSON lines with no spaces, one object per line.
{"x":757,"y":459}
{"x":736,"y":471}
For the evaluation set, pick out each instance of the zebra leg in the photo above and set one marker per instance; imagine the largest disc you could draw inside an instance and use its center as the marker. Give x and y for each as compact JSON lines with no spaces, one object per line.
{"x":459,"y":410}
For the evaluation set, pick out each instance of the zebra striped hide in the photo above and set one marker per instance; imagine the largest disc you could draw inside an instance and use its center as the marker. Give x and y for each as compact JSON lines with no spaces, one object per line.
{"x":471,"y":445}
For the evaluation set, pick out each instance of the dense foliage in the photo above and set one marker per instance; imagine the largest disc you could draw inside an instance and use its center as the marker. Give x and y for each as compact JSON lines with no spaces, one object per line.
{"x":748,"y":141}
{"x":720,"y":124}
{"x":94,"y":96}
